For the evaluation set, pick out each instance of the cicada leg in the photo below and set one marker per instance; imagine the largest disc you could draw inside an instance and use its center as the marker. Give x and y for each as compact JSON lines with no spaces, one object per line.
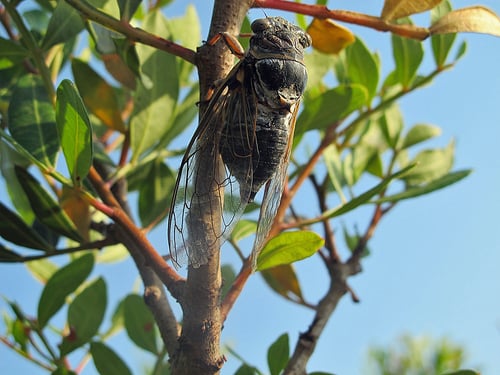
{"x":231,"y":43}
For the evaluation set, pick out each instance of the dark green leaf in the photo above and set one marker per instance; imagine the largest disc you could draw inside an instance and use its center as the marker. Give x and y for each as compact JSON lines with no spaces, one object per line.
{"x":128,"y":8}
{"x":288,"y":247}
{"x":441,"y":43}
{"x":228,"y":276}
{"x":430,"y":187}
{"x":330,"y":107}
{"x":245,"y":369}
{"x":15,"y":230}
{"x":365,"y":197}
{"x":461,"y":51}
{"x":64,"y":24}
{"x":139,"y":323}
{"x":106,"y":361}
{"x":155,"y":193}
{"x":75,"y":131}
{"x":278,"y":355}
{"x":420,"y":133}
{"x":8,"y":255}
{"x":32,"y":119}
{"x":430,"y":165}
{"x":157,"y":94}
{"x":42,"y":269}
{"x":408,"y":54}
{"x":85,"y":315}
{"x":63,"y":282}
{"x":11,"y":53}
{"x":45,"y":208}
{"x":352,"y":241}
{"x":363,"y":67}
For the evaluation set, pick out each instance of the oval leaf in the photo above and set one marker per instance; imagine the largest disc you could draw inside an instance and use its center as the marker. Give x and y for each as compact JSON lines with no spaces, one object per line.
{"x":63,"y":282}
{"x":85,"y":315}
{"x":32,"y":121}
{"x":139,"y":323}
{"x":476,"y":19}
{"x":394,"y":9}
{"x":441,"y":44}
{"x":64,"y":24}
{"x":283,"y":280}
{"x":420,"y":133}
{"x":288,"y":247}
{"x":75,"y":131}
{"x":278,"y":354}
{"x":408,"y":54}
{"x":11,"y":53}
{"x":106,"y":361}
{"x":329,"y":37}
{"x":363,"y":67}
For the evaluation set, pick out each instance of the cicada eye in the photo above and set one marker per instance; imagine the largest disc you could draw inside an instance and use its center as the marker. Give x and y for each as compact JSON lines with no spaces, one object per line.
{"x":260,"y":25}
{"x":305,"y":40}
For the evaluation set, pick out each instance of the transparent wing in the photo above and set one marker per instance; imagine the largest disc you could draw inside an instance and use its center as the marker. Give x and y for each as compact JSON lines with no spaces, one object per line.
{"x":208,"y":199}
{"x":272,"y":194}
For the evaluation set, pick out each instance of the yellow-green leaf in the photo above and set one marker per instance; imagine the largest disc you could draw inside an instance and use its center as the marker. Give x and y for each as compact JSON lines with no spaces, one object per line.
{"x":394,"y":9}
{"x":329,"y":37}
{"x":283,"y":280}
{"x":475,"y":19}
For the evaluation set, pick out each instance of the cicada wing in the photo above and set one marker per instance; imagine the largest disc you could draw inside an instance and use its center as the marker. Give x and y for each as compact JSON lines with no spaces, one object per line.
{"x":208,"y":199}
{"x":272,"y":194}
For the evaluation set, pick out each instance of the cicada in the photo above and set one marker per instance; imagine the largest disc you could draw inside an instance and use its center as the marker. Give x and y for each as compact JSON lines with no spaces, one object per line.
{"x":243,"y":142}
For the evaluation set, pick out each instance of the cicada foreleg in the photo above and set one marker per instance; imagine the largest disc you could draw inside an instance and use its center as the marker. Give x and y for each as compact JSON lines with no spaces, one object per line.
{"x":231,"y":43}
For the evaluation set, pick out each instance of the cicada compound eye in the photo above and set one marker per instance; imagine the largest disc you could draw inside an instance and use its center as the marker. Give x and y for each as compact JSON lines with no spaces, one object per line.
{"x":260,"y":25}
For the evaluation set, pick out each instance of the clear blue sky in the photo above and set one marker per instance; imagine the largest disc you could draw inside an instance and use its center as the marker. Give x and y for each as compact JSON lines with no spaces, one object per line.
{"x":435,"y":260}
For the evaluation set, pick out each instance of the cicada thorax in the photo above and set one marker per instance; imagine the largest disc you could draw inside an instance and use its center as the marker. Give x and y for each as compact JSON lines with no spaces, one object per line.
{"x":253,"y":149}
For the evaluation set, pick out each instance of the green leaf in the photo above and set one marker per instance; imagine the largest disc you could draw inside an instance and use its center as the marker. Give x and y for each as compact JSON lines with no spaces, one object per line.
{"x":437,"y":184}
{"x":62,"y":283}
{"x":98,"y":95}
{"x":246,"y":369}
{"x":392,"y":124}
{"x":63,"y":371}
{"x":42,"y":269}
{"x":330,"y":107}
{"x":441,"y":43}
{"x":45,"y":208}
{"x":334,"y":167}
{"x":8,"y":255}
{"x":155,"y":193}
{"x":420,"y":133}
{"x":365,"y":197}
{"x":283,"y":280}
{"x":408,"y":54}
{"x":20,"y":331}
{"x":128,"y":8}
{"x":157,"y":94}
{"x":139,"y":323}
{"x":462,"y":372}
{"x":228,"y":276}
{"x":32,"y":119}
{"x":278,"y":355}
{"x":243,"y":229}
{"x":15,"y":230}
{"x":430,"y":165}
{"x":85,"y":315}
{"x":461,"y":51}
{"x":363,"y":67}
{"x":11,"y":53}
{"x":75,"y":131}
{"x":106,"y":361}
{"x":64,"y":24}
{"x":288,"y":247}
{"x":352,"y":241}
{"x":117,"y":321}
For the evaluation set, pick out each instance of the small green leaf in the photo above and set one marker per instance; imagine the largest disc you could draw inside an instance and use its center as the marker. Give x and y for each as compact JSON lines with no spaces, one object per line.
{"x":245,"y":369}
{"x":64,"y":24}
{"x":392,"y":124}
{"x":45,"y":208}
{"x":416,"y":191}
{"x":128,"y":8}
{"x":288,"y":247}
{"x":408,"y":54}
{"x":243,"y":229}
{"x":331,"y":106}
{"x":106,"y":361}
{"x":32,"y":119}
{"x":365,"y":197}
{"x":155,"y":194}
{"x":20,"y":331}
{"x":363,"y":67}
{"x":11,"y":53}
{"x":430,"y":165}
{"x":85,"y":315}
{"x":63,"y":282}
{"x":75,"y":131}
{"x":420,"y":133}
{"x":139,"y":323}
{"x":278,"y":354}
{"x":461,"y":51}
{"x":441,"y":43}
{"x":8,"y":255}
{"x":228,"y":276}
{"x":15,"y":230}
